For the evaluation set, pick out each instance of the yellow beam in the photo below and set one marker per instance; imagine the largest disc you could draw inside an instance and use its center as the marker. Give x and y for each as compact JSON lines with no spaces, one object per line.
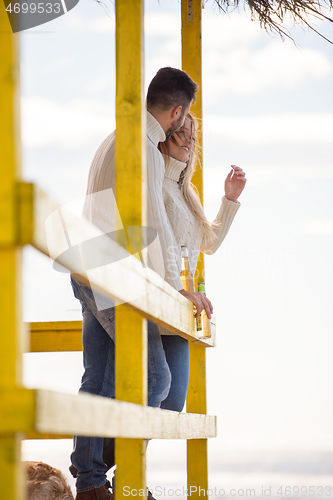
{"x":197,"y":470}
{"x":10,"y":255}
{"x":26,"y":214}
{"x":131,"y":194}
{"x":197,"y":467}
{"x":14,"y":485}
{"x":191,"y":63}
{"x":40,"y":435}
{"x":17,"y":410}
{"x":131,"y":356}
{"x":197,"y":456}
{"x":9,"y":129}
{"x":57,"y":336}
{"x":53,"y":336}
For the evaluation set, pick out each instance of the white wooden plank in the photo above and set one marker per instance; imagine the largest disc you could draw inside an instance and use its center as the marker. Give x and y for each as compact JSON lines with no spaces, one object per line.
{"x":90,"y":415}
{"x":151,"y":296}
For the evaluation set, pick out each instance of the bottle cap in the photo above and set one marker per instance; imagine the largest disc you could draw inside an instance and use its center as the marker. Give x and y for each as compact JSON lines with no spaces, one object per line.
{"x":184,"y":251}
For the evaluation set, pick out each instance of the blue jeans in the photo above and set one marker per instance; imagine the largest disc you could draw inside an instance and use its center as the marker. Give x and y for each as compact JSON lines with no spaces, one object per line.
{"x":168,"y":373}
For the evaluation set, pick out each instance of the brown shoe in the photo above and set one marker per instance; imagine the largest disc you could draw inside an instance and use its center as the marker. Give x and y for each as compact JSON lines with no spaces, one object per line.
{"x":102,"y":493}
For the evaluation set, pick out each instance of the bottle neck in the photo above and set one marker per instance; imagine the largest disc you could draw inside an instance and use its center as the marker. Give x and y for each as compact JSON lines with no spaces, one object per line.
{"x":185,"y":264}
{"x":184,"y":251}
{"x":184,"y":257}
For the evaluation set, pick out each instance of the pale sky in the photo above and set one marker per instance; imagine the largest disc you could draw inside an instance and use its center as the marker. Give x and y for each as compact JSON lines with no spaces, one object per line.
{"x":268,"y":108}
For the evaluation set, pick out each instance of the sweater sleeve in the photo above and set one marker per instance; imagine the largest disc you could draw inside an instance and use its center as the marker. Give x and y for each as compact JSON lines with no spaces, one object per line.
{"x":166,"y":256}
{"x":224,"y":220}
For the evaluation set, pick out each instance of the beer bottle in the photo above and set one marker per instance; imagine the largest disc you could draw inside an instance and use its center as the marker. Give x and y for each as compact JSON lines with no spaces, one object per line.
{"x":203,"y":322}
{"x":186,"y":275}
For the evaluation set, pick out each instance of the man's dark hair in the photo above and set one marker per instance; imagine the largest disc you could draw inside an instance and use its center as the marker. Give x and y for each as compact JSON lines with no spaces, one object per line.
{"x":169,"y":88}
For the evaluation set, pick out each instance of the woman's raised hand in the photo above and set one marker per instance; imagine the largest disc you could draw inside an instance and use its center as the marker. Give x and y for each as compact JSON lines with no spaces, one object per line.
{"x":234,"y":183}
{"x":200,"y":301}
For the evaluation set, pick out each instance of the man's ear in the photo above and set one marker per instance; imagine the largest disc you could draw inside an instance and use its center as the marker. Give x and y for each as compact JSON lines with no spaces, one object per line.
{"x":176,"y":112}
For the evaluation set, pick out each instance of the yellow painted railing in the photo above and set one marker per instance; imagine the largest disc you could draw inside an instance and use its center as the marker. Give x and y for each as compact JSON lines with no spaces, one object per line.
{"x":24,"y":208}
{"x":197,"y":459}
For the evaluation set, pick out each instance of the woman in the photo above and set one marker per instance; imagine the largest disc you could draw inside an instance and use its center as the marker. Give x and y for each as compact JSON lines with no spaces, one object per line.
{"x":191,"y":228}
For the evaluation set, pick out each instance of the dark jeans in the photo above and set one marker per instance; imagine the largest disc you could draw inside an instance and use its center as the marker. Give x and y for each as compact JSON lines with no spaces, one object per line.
{"x":168,"y":373}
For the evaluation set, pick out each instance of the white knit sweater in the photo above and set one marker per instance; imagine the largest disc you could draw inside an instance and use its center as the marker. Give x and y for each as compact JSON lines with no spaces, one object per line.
{"x":168,"y":212}
{"x":100,"y":207}
{"x":185,"y":227}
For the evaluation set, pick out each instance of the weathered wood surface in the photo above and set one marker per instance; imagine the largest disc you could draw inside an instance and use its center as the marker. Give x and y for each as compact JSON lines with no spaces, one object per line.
{"x":154,"y":298}
{"x":90,"y":415}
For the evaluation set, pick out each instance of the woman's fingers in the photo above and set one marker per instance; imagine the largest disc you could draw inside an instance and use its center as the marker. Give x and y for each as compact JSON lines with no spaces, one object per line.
{"x":239,"y":172}
{"x":197,"y":301}
{"x":206,"y":304}
{"x":200,"y":301}
{"x":199,"y":309}
{"x":210,"y":306}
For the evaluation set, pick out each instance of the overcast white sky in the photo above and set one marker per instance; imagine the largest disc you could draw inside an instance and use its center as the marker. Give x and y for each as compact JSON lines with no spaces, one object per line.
{"x":268,"y":108}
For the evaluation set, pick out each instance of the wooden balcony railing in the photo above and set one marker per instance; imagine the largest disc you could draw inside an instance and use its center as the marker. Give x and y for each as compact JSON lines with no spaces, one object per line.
{"x":24,"y":208}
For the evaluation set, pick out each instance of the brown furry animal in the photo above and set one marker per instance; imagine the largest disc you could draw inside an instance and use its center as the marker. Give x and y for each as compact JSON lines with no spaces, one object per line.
{"x":46,"y":483}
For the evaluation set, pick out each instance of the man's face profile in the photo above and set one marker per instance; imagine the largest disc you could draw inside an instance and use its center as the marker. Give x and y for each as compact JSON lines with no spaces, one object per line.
{"x":179,"y":122}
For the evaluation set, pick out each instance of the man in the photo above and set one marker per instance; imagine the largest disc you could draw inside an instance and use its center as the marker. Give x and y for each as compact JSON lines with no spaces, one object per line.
{"x":169,"y":98}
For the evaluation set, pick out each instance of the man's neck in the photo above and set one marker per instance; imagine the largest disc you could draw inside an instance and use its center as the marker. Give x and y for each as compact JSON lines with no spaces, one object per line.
{"x":160,"y":118}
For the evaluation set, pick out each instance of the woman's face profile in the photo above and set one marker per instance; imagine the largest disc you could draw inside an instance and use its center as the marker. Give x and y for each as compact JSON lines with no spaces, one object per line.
{"x":179,"y":145}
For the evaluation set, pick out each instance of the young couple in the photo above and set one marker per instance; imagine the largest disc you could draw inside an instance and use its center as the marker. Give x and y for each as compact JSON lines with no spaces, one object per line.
{"x":175,"y":212}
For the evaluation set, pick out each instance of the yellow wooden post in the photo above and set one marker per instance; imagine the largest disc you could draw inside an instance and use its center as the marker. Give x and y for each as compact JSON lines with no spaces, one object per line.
{"x":197,"y":468}
{"x":131,"y":328}
{"x":10,"y":254}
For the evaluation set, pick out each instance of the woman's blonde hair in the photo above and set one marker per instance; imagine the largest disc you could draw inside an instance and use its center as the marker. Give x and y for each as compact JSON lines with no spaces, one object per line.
{"x":188,"y":189}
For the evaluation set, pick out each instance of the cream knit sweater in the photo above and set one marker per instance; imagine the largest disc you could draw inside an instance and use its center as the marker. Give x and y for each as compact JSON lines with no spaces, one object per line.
{"x":101,"y":210}
{"x":168,"y":212}
{"x":185,"y":227}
